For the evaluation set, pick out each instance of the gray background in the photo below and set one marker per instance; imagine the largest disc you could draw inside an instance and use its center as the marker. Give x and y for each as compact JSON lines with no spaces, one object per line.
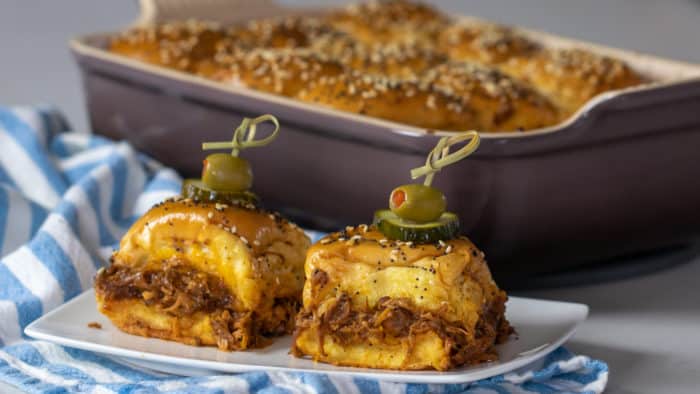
{"x":646,"y":328}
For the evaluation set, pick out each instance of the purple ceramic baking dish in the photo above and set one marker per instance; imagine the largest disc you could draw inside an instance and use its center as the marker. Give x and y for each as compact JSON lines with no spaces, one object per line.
{"x":620,"y":176}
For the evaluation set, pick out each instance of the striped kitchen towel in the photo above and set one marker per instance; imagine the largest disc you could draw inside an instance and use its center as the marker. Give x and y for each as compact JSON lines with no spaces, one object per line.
{"x":65,"y":200}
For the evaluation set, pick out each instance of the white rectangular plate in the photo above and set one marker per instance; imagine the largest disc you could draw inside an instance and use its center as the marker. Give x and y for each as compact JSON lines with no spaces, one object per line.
{"x":541,"y":326}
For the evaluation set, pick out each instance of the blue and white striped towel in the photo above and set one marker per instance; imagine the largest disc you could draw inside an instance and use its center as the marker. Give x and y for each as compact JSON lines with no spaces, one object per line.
{"x":65,"y":200}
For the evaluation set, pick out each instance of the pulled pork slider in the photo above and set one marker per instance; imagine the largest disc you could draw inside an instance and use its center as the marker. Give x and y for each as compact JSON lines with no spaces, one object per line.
{"x":209,"y":267}
{"x":407,"y":292}
{"x":378,"y":303}
{"x":205,"y":274}
{"x":569,"y":77}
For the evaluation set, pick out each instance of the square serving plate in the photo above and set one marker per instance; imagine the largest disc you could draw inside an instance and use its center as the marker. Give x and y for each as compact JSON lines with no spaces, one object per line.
{"x":541,"y":327}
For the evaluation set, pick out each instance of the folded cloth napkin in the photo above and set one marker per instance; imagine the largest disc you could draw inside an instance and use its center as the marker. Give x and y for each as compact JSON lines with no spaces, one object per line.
{"x":65,"y":200}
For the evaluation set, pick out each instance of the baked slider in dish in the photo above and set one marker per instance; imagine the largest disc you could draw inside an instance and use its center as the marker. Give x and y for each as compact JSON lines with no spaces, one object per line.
{"x":407,"y":292}
{"x":184,"y":46}
{"x":210,"y":267}
{"x":315,"y":78}
{"x":570,"y":77}
{"x":390,"y":21}
{"x":499,"y":102}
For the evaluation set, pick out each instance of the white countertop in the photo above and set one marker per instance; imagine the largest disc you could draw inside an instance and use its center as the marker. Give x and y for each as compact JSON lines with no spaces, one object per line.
{"x":646,"y":328}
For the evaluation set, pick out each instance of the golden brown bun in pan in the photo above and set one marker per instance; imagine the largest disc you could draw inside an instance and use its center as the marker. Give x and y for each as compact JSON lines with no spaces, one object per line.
{"x":387,"y":60}
{"x":205,"y":274}
{"x":283,"y":72}
{"x":454,"y":96}
{"x":403,"y":101}
{"x":571,"y":77}
{"x":310,"y":76}
{"x":500,"y":102}
{"x":286,"y":32}
{"x":376,"y":303}
{"x":393,"y":21}
{"x":181,"y":46}
{"x":394,"y":40}
{"x":484,"y":43}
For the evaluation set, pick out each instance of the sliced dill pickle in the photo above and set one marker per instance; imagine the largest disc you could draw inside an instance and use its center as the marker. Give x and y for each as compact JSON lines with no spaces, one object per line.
{"x":198,"y":191}
{"x":392,"y":226}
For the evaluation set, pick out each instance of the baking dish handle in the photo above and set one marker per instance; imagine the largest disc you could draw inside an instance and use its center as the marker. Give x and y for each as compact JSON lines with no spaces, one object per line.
{"x":223,"y":11}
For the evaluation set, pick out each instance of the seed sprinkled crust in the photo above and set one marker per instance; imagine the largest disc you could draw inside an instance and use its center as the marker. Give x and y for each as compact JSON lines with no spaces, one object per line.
{"x":396,"y":60}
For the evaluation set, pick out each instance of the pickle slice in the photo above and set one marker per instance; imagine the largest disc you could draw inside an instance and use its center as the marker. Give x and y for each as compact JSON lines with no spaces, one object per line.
{"x":198,"y":191}
{"x":444,"y":228}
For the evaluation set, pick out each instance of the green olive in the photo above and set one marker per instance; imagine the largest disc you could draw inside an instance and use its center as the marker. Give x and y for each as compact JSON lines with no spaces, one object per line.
{"x":416,"y":202}
{"x":223,"y":171}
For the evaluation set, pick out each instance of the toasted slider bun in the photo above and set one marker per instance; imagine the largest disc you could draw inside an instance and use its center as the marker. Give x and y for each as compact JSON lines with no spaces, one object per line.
{"x":569,"y":77}
{"x":500,"y":103}
{"x":282,"y":72}
{"x":484,"y":43}
{"x":285,"y":32}
{"x":184,"y":46}
{"x":399,"y":41}
{"x":315,"y":78}
{"x":392,"y":21}
{"x":205,"y":274}
{"x":374,"y":303}
{"x":403,"y":101}
{"x":393,"y":60}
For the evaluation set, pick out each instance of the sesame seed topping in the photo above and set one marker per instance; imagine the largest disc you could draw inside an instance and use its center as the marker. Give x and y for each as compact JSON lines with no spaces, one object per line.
{"x":416,"y":57}
{"x":430,"y":102}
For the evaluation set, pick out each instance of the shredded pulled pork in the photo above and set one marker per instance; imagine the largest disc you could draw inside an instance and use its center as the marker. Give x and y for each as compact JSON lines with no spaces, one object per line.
{"x":398,"y":319}
{"x":179,"y":290}
{"x":174,"y":288}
